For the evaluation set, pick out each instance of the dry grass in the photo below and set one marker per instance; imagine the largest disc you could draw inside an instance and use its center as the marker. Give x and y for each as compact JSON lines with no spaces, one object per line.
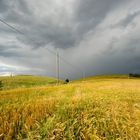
{"x":96,"y":109}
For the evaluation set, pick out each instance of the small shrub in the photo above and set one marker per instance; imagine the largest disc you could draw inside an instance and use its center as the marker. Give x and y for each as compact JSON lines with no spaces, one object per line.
{"x":1,"y":85}
{"x":134,"y":75}
{"x":67,"y":81}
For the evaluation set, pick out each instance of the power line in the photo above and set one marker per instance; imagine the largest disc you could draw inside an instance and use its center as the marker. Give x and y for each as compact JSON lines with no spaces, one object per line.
{"x":54,"y":53}
{"x":76,"y":67}
{"x":20,"y":32}
{"x":13,"y":28}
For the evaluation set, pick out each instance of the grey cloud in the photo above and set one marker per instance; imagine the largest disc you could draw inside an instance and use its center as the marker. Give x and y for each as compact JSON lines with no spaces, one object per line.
{"x":88,"y":14}
{"x":78,"y":36}
{"x":3,"y":6}
{"x":5,"y":69}
{"x":127,"y":20}
{"x":9,"y":52}
{"x":14,"y":10}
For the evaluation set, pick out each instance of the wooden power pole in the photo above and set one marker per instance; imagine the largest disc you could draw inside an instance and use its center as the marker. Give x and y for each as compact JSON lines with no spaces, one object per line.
{"x":57,"y":66}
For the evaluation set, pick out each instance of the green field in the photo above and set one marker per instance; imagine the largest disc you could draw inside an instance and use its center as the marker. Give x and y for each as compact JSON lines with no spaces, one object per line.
{"x":19,"y":81}
{"x":98,"y":108}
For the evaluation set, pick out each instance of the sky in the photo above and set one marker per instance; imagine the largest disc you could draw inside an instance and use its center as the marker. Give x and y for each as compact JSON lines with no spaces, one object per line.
{"x":92,"y":37}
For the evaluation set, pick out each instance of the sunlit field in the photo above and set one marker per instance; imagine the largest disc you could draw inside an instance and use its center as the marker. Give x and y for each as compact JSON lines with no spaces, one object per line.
{"x":98,"y":108}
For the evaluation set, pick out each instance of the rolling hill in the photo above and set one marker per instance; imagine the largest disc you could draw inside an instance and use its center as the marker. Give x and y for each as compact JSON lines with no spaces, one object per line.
{"x":10,"y":82}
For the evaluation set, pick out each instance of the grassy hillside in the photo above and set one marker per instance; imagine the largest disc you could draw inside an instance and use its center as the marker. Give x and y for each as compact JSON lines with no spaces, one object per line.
{"x":116,"y":76}
{"x":94,"y":109}
{"x":9,"y":82}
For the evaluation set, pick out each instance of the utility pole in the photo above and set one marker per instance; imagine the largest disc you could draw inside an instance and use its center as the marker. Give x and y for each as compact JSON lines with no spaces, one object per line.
{"x":57,"y":66}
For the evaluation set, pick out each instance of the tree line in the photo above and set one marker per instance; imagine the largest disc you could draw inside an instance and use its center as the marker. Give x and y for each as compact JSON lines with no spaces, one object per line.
{"x":134,"y":75}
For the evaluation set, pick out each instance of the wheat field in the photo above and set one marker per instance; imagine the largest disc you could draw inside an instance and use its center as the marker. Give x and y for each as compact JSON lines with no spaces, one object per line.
{"x":96,"y":108}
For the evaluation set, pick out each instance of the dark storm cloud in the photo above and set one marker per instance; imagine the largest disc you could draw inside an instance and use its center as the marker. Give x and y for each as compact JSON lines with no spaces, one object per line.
{"x":3,"y":6}
{"x":87,"y":33}
{"x":88,"y":14}
{"x":14,"y":9}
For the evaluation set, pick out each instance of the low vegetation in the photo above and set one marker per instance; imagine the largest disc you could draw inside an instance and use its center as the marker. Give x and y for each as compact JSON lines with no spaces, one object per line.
{"x":103,"y":108}
{"x":134,"y":75}
{"x":22,"y":81}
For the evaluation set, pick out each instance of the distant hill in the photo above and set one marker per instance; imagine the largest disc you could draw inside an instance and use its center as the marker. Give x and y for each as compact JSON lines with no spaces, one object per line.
{"x":100,"y":77}
{"x":18,"y":81}
{"x":9,"y":82}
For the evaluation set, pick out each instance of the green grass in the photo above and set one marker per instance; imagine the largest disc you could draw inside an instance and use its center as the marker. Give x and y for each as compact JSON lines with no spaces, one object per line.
{"x":105,"y":108}
{"x":19,"y":81}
